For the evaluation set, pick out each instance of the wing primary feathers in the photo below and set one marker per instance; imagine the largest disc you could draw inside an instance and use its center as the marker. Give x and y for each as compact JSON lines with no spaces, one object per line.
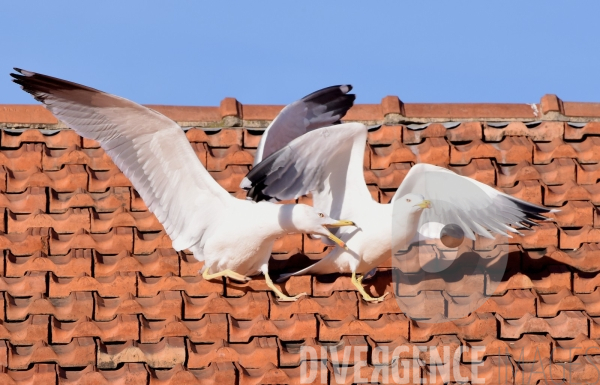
{"x":321,"y":108}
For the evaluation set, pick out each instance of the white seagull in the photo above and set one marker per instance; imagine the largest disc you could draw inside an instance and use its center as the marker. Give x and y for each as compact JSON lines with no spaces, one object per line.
{"x":329,"y":163}
{"x":233,"y":237}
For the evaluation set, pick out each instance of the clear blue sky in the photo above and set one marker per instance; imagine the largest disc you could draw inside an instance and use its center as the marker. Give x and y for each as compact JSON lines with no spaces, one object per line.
{"x":273,"y":52}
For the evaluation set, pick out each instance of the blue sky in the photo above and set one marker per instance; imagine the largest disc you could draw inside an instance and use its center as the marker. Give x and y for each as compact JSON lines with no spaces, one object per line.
{"x":273,"y":52}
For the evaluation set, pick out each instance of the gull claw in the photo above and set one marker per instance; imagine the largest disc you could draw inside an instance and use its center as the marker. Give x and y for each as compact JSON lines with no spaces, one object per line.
{"x":375,"y":299}
{"x":294,"y":298}
{"x":239,"y":277}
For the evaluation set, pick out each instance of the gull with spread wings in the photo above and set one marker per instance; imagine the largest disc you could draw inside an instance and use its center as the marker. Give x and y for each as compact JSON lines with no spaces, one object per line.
{"x":233,"y":237}
{"x":328,"y":162}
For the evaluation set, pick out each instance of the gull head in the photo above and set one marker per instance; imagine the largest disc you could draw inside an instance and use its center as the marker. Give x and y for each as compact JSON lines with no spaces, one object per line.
{"x":309,"y":220}
{"x":413,"y":203}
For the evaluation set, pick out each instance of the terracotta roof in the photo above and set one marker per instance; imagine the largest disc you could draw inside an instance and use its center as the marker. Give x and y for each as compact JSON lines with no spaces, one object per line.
{"x":91,"y":290}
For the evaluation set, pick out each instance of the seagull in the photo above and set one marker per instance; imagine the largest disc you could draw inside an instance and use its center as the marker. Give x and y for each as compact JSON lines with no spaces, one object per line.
{"x":233,"y":237}
{"x":328,"y":162}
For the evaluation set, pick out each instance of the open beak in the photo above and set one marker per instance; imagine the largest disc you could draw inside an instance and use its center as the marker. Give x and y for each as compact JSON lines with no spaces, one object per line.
{"x":425,"y":204}
{"x":338,"y":241}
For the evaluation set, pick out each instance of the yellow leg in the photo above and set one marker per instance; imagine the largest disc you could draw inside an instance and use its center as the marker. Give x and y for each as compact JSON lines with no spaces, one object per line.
{"x":225,"y":273}
{"x":358,"y":283}
{"x":280,"y":296}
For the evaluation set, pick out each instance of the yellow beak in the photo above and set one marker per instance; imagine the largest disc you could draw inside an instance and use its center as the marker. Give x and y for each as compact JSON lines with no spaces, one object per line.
{"x":341,"y":223}
{"x":425,"y":204}
{"x":338,"y":241}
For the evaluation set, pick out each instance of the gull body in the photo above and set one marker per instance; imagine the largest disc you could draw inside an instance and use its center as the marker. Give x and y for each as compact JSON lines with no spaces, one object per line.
{"x":233,"y":237}
{"x":328,"y":162}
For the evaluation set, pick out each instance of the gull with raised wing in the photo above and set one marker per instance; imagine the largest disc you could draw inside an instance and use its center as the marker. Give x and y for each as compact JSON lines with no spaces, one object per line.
{"x":233,"y":237}
{"x":328,"y":162}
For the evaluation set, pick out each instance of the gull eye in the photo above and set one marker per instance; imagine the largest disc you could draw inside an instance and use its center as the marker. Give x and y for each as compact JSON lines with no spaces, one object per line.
{"x":408,"y":200}
{"x":322,"y":215}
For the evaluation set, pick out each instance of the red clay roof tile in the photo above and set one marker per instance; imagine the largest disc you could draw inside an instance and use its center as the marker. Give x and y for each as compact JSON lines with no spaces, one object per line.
{"x":349,"y":350}
{"x":270,"y":374}
{"x":129,"y":373}
{"x":149,"y":242}
{"x":100,"y":181}
{"x":549,"y":305}
{"x":584,"y":152}
{"x":528,"y":348}
{"x":511,"y":305}
{"x":223,"y":137}
{"x":142,"y":220}
{"x":79,"y":352}
{"x":95,"y":159}
{"x":69,"y":178}
{"x":188,"y":265}
{"x":74,"y":263}
{"x":164,"y":354}
{"x":528,"y":190}
{"x":193,"y":286}
{"x":292,"y":286}
{"x":71,"y":308}
{"x":219,"y":158}
{"x":581,"y":259}
{"x":575,"y":132}
{"x":27,"y":156}
{"x":585,"y":282}
{"x":108,"y":201}
{"x":117,"y":285}
{"x":410,"y":373}
{"x":52,"y":139}
{"x":210,"y":328}
{"x":26,"y":243}
{"x":121,"y":328}
{"x":416,"y":134}
{"x":476,"y":326}
{"x":387,"y":328}
{"x":568,"y":324}
{"x":27,"y":285}
{"x":215,"y":374}
{"x":339,"y":306}
{"x":575,"y":214}
{"x":385,"y":135}
{"x":68,"y":222}
{"x":254,"y":354}
{"x":37,"y":374}
{"x":537,"y":131}
{"x":510,"y":150}
{"x":159,"y":263}
{"x":113,"y":242}
{"x":248,"y":307}
{"x":297,"y":327}
{"x":568,"y":350}
{"x":166,"y":304}
{"x":27,"y":332}
{"x":481,"y":170}
{"x":30,"y":200}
